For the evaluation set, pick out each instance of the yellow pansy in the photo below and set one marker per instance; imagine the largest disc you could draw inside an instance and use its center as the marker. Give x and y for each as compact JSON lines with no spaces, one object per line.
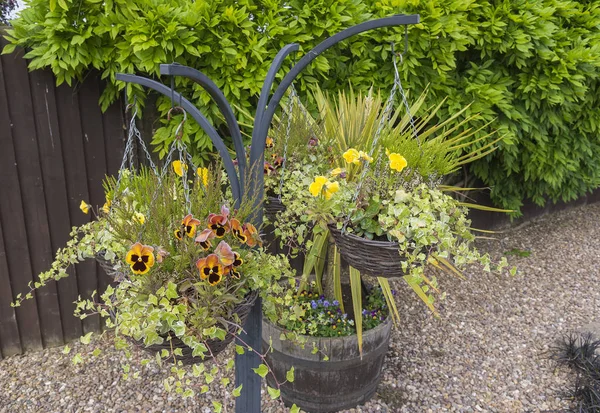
{"x":203,"y":174}
{"x":106,"y":206}
{"x":139,"y":217}
{"x":352,"y":156}
{"x":85,"y":207}
{"x":179,"y":167}
{"x":331,"y":188}
{"x":397,"y":161}
{"x":323,"y":185}
{"x":337,"y":171}
{"x":363,"y":156}
{"x":316,"y":187}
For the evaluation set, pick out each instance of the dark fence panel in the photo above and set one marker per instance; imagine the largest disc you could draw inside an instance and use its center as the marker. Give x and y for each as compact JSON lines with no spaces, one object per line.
{"x":56,"y":147}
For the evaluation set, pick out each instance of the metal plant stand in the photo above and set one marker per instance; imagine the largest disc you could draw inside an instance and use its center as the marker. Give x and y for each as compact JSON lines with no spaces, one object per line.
{"x":248,"y":181}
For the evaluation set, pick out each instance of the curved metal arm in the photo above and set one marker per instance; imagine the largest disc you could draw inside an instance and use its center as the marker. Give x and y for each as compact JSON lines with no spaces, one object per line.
{"x":262,"y":123}
{"x":202,"y":121}
{"x":175,"y":69}
{"x":266,"y":88}
{"x":265,"y":121}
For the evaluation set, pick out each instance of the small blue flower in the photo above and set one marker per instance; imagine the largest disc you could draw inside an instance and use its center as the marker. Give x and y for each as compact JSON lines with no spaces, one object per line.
{"x":326,"y":303}
{"x":364,"y":312}
{"x":336,"y":302}
{"x":313,"y":304}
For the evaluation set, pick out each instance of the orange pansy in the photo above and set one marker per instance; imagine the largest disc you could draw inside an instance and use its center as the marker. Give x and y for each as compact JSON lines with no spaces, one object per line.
{"x":140,"y":258}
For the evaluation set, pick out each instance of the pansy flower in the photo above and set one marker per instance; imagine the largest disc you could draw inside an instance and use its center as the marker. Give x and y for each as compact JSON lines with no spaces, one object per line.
{"x":203,"y":174}
{"x":140,"y":258}
{"x":269,"y":143}
{"x":252,"y":235}
{"x":268,"y":168}
{"x":225,"y":254}
{"x":179,"y":167}
{"x":219,"y":223}
{"x":161,"y":254}
{"x":397,"y":161}
{"x":352,"y":156}
{"x":188,"y":226}
{"x":363,"y":156}
{"x":139,"y":217}
{"x":233,"y":267}
{"x":106,"y":206}
{"x":237,"y":230}
{"x":210,"y":269}
{"x":85,"y":207}
{"x":322,"y":185}
{"x":204,"y":238}
{"x":278,"y":162}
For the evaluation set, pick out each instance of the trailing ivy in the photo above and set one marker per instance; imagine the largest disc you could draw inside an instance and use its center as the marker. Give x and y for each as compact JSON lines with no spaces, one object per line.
{"x":529,"y":67}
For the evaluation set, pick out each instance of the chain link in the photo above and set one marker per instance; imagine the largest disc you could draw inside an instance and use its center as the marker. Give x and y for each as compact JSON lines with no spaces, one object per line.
{"x":293,"y":98}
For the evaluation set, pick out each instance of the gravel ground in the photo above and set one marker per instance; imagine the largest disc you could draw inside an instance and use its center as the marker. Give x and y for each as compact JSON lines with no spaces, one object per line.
{"x":487,"y":353}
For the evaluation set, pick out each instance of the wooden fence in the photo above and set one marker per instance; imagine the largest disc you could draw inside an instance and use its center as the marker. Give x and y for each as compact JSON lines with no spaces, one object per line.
{"x":56,"y":147}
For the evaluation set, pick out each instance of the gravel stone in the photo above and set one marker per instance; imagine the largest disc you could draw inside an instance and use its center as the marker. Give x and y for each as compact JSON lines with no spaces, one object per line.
{"x":488,"y":352}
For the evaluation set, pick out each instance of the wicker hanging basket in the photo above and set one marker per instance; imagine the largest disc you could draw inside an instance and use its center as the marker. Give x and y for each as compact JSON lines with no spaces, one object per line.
{"x":110,"y":267}
{"x":375,"y":258}
{"x":273,"y":206}
{"x":215,"y":346}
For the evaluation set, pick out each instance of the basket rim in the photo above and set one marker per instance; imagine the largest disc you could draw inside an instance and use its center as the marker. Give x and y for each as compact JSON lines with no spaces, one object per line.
{"x":352,"y":237}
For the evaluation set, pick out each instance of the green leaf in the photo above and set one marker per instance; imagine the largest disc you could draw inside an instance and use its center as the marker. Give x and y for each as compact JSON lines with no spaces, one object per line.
{"x":289,"y":375}
{"x":66,"y":349}
{"x":357,"y":304}
{"x":239,"y":349}
{"x":218,"y":406}
{"x":96,"y":352}
{"x":261,"y":370}
{"x":77,"y":359}
{"x":294,"y":409}
{"x":86,"y":339}
{"x":237,"y":391}
{"x":274,"y":393}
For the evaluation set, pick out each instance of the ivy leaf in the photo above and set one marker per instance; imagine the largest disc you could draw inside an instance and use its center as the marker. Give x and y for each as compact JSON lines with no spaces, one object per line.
{"x":237,"y":391}
{"x":294,"y":409}
{"x":261,"y":370}
{"x":289,"y":376}
{"x":86,"y":339}
{"x":274,"y":393}
{"x":218,"y":406}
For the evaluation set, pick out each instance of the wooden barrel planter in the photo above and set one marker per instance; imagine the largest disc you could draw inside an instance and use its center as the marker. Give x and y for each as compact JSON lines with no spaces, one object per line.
{"x":342,"y":382}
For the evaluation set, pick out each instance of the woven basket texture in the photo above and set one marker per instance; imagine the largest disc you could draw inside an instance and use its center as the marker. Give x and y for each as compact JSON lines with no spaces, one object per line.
{"x":375,"y":258}
{"x":273,"y":205}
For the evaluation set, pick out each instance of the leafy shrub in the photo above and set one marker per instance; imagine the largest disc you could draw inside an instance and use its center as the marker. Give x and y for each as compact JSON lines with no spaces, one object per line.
{"x":528,"y":67}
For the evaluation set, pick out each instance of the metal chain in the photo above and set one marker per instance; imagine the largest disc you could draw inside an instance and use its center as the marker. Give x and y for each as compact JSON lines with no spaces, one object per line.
{"x":382,"y":122}
{"x":293,"y":97}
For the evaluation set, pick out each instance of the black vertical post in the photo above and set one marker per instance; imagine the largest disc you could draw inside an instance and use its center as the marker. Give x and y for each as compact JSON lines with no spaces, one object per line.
{"x":249,"y":400}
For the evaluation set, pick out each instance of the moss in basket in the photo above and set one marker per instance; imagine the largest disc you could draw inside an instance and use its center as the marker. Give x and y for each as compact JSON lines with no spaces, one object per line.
{"x":188,"y":260}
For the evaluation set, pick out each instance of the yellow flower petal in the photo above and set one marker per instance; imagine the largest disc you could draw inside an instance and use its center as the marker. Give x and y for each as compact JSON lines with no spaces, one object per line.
{"x":330,"y":189}
{"x":337,"y":171}
{"x":85,"y":208}
{"x":106,"y":208}
{"x":397,"y":162}
{"x":365,"y":157}
{"x":139,"y":217}
{"x":203,"y":174}
{"x":316,"y":187}
{"x":351,"y":156}
{"x":179,"y":167}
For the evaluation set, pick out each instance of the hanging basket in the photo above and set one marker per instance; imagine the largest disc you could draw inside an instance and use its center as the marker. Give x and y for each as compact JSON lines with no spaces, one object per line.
{"x":375,"y":258}
{"x":110,"y":267}
{"x":215,"y":346}
{"x":273,"y":206}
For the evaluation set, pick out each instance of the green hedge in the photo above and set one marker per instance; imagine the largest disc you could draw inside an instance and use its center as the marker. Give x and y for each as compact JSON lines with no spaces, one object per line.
{"x":531,"y":67}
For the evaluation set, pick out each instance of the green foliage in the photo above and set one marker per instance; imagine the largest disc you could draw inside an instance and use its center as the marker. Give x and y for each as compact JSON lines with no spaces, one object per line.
{"x":528,"y":67}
